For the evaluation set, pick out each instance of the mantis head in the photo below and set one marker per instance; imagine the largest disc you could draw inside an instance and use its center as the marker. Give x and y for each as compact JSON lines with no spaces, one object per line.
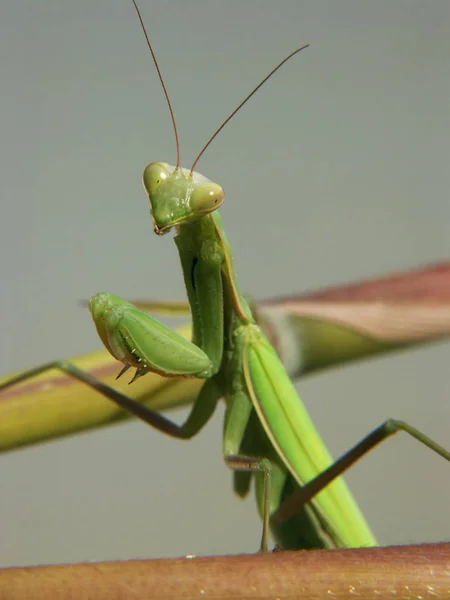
{"x":178,"y":195}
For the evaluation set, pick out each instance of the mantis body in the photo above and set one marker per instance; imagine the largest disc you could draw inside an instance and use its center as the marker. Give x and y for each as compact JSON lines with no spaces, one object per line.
{"x":267,"y":430}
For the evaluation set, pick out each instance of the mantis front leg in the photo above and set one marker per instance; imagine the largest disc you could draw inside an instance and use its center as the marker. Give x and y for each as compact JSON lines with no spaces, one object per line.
{"x":140,"y":341}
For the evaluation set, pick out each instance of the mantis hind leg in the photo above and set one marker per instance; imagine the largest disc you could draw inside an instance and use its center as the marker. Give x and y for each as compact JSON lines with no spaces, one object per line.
{"x":304,"y":494}
{"x":202,"y":408}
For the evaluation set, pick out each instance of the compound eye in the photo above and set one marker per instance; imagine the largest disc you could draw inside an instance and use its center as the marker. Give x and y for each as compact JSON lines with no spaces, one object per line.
{"x":205,"y":198}
{"x":154,"y":174}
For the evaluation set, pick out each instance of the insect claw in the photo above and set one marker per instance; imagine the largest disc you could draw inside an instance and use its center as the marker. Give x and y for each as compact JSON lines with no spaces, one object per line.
{"x":124,"y":370}
{"x":139,"y":373}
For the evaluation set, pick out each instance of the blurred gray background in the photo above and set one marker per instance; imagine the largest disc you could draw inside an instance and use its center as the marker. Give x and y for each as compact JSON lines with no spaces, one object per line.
{"x":337,"y":170}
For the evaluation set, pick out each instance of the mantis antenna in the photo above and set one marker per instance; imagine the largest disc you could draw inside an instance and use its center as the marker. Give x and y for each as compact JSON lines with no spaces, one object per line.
{"x":166,"y":94}
{"x":219,"y":129}
{"x":246,"y":99}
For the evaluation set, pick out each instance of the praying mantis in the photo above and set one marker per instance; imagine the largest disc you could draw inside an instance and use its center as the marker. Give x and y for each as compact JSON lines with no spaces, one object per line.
{"x":267,"y":431}
{"x":229,"y":199}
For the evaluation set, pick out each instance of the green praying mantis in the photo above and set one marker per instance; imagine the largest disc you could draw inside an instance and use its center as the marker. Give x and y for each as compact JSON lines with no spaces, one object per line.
{"x":267,"y":430}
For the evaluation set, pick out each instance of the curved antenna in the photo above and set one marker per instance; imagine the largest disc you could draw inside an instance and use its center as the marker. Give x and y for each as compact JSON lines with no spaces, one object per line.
{"x":172,"y":116}
{"x":246,"y":99}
